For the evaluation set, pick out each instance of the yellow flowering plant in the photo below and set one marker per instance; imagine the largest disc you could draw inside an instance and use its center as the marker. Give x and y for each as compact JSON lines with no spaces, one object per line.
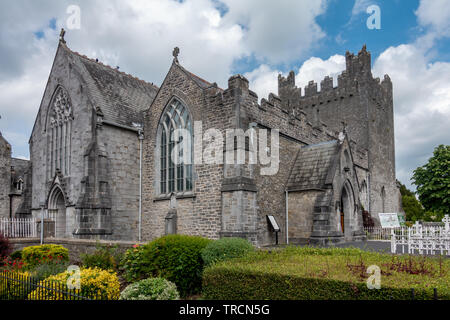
{"x":13,"y":285}
{"x":95,"y":284}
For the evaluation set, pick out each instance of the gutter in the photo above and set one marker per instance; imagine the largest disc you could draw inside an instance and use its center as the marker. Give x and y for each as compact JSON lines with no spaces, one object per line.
{"x":110,"y":123}
{"x":141,"y":138}
{"x":287,"y":217}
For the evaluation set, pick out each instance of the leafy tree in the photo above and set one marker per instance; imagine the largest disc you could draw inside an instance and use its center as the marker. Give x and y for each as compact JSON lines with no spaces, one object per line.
{"x":414,"y":209}
{"x":433,"y":182}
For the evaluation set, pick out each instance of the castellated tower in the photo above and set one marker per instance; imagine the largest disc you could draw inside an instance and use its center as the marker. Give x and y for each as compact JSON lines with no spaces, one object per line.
{"x":363,"y":105}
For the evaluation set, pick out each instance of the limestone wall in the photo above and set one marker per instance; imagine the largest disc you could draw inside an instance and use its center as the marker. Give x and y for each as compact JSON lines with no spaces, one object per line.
{"x":5,"y":177}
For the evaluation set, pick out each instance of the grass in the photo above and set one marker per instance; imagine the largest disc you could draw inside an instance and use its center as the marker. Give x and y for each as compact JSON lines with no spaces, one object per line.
{"x":347,"y":265}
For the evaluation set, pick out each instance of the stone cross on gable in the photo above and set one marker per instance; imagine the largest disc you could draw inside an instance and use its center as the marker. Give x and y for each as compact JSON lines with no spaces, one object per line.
{"x":344,"y":127}
{"x":175,"y":53}
{"x":61,"y":35}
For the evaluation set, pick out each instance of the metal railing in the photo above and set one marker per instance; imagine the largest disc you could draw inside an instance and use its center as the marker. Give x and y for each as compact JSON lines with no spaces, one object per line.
{"x":15,"y":286}
{"x":379,"y":233}
{"x":18,"y":228}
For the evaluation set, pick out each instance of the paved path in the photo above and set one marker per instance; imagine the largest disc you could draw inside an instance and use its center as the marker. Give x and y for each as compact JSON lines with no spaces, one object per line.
{"x":378,"y":246}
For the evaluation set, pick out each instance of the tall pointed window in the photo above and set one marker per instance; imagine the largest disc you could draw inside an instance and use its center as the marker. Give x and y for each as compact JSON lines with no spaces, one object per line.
{"x":175,"y":174}
{"x":60,"y":133}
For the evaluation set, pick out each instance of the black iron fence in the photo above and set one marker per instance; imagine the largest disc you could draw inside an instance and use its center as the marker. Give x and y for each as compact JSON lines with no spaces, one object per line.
{"x":16,"y":286}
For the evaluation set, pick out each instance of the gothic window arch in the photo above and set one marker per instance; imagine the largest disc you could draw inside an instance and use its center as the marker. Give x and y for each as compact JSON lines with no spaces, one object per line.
{"x":175,"y":176}
{"x":364,"y":196}
{"x":59,"y":132}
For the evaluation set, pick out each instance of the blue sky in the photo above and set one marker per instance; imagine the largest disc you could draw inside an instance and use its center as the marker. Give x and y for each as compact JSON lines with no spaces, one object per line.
{"x":257,"y":38}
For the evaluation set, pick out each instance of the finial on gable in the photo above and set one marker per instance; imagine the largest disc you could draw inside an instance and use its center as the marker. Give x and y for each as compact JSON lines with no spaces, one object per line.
{"x":175,"y":53}
{"x":61,"y":36}
{"x":343,"y":133}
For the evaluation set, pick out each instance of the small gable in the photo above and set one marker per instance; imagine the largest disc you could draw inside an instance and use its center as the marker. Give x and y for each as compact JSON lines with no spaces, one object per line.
{"x":312,"y":166}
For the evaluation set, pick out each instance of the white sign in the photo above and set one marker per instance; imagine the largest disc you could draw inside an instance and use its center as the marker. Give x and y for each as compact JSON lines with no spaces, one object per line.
{"x":389,"y":220}
{"x":274,"y":223}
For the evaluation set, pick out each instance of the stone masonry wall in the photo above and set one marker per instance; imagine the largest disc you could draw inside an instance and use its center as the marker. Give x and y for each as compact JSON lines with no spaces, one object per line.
{"x":63,"y":73}
{"x":199,"y":212}
{"x":5,"y":177}
{"x":122,"y":147}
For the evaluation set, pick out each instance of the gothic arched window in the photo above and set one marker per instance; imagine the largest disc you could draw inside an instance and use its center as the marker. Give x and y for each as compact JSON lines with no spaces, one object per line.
{"x":60,"y":133}
{"x":175,"y":176}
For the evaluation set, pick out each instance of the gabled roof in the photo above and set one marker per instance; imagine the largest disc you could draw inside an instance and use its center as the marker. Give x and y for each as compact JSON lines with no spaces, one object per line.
{"x":313,"y":165}
{"x":121,"y":97}
{"x":198,"y":80}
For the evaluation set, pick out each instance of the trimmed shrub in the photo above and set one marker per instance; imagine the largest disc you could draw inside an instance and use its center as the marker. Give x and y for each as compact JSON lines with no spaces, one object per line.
{"x":16,"y":255}
{"x":224,"y":249}
{"x":133,"y":264}
{"x":45,"y":270}
{"x":176,"y":258}
{"x":325,"y":274}
{"x":95,"y":284}
{"x":151,"y":289}
{"x":5,"y":247}
{"x":36,"y":255}
{"x":104,"y":257}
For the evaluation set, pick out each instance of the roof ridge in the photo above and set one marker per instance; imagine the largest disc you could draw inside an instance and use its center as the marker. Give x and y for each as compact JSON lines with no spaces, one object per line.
{"x":198,"y":77}
{"x":111,"y":68}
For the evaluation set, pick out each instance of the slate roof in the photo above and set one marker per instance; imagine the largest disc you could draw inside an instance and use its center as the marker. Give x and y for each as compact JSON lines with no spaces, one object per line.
{"x":20,"y":167}
{"x":313,"y":166}
{"x":202,"y":83}
{"x":121,"y":97}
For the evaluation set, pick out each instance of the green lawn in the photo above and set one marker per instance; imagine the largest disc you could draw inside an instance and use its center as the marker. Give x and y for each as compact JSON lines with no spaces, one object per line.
{"x":311,"y":273}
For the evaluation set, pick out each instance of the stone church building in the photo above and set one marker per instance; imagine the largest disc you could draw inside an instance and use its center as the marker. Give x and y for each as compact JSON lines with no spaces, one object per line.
{"x":101,"y":155}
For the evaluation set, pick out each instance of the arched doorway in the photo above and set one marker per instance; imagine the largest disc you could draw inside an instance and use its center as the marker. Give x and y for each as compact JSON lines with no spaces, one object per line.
{"x":57,"y":207}
{"x":347,"y":210}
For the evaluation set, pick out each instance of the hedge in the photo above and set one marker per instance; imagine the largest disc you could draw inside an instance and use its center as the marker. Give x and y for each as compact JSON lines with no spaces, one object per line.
{"x":330,"y":274}
{"x":224,"y":249}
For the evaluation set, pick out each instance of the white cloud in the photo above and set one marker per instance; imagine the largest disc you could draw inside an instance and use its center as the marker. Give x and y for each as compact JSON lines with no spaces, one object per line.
{"x":361,"y":6}
{"x":421,"y":98}
{"x":139,"y":36}
{"x":421,"y":104}
{"x":263,"y":80}
{"x":435,"y":14}
{"x":316,"y":69}
{"x":278,"y":31}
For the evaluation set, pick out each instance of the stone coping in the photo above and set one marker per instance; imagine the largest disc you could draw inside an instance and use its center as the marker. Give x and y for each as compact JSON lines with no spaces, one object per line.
{"x":82,"y":242}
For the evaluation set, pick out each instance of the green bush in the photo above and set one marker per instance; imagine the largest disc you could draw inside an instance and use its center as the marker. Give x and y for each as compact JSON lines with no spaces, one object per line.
{"x":325,"y":274}
{"x":35,"y":255}
{"x":48,"y":269}
{"x":133,"y":263}
{"x":16,"y":255}
{"x":104,"y":257}
{"x":224,"y":249}
{"x":151,"y":289}
{"x":176,"y":258}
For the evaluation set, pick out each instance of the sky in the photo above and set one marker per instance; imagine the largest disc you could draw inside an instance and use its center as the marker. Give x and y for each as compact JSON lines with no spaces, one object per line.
{"x":257,"y":38}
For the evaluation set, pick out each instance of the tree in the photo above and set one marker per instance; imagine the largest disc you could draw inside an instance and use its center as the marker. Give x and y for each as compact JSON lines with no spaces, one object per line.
{"x":413,"y":208}
{"x":433,"y":182}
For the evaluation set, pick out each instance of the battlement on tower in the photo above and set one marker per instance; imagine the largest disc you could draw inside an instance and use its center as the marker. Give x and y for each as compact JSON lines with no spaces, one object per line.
{"x":357,"y":72}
